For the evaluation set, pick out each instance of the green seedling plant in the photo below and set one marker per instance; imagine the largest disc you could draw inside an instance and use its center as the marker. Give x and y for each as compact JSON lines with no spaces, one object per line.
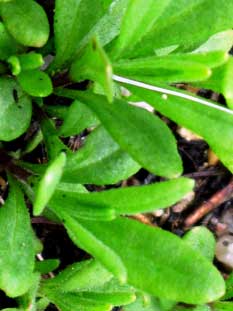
{"x":81,"y":68}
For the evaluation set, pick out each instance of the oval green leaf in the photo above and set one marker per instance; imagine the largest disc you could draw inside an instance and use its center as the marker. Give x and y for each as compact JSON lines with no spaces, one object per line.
{"x":35,"y":83}
{"x":26,"y":21}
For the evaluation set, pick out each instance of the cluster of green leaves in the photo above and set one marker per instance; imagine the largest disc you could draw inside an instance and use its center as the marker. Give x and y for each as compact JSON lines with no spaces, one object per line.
{"x":156,"y":42}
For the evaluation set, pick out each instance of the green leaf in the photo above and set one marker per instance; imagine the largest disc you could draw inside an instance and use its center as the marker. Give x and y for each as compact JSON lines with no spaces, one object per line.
{"x":171,"y":68}
{"x":54,"y":145}
{"x":78,"y":117}
{"x":153,"y":148}
{"x":15,"y":110}
{"x":141,"y":304}
{"x":47,"y":265}
{"x":66,"y":201}
{"x":95,"y":246}
{"x":94,"y":65}
{"x":30,"y":61}
{"x":26,"y":21}
{"x":35,"y":83}
{"x":128,"y":200}
{"x":73,"y":20}
{"x":195,"y":117}
{"x":48,"y":183}
{"x":23,"y":62}
{"x":8,"y":45}
{"x":27,"y":302}
{"x":139,"y":18}
{"x":100,"y":161}
{"x":229,"y":288}
{"x":90,"y":280}
{"x":223,"y":306}
{"x":221,"y":81}
{"x":201,"y":239}
{"x":186,"y":25}
{"x":71,"y":301}
{"x":168,"y":267}
{"x":17,"y":246}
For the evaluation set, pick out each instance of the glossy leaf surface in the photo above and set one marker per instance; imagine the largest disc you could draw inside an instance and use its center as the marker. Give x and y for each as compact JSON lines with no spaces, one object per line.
{"x":35,"y":83}
{"x":26,"y":21}
{"x":48,"y":183}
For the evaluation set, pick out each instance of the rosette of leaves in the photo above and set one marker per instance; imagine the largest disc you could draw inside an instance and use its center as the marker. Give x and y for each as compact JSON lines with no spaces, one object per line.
{"x":70,"y":55}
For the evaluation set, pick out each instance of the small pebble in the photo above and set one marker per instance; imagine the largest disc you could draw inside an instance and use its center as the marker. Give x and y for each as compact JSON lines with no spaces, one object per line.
{"x":224,"y":250}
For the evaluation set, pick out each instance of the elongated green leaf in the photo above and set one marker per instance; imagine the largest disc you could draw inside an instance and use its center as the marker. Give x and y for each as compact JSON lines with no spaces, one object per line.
{"x":73,"y":20}
{"x":17,"y":249}
{"x":78,"y":117}
{"x":179,"y":23}
{"x":15,"y":110}
{"x":8,"y":45}
{"x":171,"y":68}
{"x":99,"y":161}
{"x":71,"y":301}
{"x":72,"y":206}
{"x":35,"y":83}
{"x":201,"y":239}
{"x":108,"y":27}
{"x":139,"y":18}
{"x":195,"y":117}
{"x":94,"y":65}
{"x":128,"y":200}
{"x":153,"y":148}
{"x":95,"y":246}
{"x":26,"y":21}
{"x":90,"y":280}
{"x":168,"y":267}
{"x":48,"y":183}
